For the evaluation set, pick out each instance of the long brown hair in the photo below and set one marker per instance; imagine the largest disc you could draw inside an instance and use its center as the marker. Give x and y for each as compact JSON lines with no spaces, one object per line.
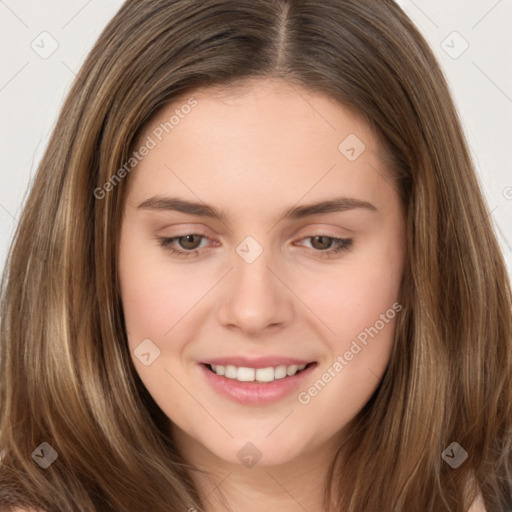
{"x":66,"y":375}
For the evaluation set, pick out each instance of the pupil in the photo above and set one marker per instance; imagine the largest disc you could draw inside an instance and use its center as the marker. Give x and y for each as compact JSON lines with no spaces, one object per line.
{"x":326,"y":239}
{"x":188,"y":240}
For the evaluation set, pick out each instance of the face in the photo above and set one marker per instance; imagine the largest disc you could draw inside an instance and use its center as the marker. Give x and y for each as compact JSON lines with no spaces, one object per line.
{"x":260,"y":323}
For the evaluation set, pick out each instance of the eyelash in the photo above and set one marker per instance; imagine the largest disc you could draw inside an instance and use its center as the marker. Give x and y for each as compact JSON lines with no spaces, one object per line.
{"x":342,"y":244}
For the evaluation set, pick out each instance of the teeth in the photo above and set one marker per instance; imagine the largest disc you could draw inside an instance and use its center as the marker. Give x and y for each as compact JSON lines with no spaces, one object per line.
{"x":269,"y":374}
{"x":281,"y":371}
{"x":292,"y":370}
{"x":245,"y":374}
{"x":265,"y":374}
{"x":230,"y":372}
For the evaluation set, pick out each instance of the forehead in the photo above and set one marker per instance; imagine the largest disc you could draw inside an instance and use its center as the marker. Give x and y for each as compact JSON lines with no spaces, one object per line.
{"x":263,"y":138}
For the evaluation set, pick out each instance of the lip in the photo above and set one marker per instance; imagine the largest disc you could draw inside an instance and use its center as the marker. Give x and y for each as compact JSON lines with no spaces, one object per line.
{"x":255,"y":393}
{"x":256,"y":362}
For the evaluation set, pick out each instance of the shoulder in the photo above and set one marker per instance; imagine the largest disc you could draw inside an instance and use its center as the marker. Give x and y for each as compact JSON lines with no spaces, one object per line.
{"x":478,"y":505}
{"x":18,"y":509}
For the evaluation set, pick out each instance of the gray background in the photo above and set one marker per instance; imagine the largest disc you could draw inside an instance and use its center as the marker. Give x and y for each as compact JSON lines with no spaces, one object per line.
{"x":33,"y":84}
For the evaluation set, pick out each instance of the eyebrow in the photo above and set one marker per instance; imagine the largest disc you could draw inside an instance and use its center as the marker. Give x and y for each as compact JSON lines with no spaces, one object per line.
{"x":335,"y":205}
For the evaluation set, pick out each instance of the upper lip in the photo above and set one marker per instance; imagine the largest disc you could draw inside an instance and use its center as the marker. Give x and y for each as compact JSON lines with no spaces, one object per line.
{"x":256,"y":362}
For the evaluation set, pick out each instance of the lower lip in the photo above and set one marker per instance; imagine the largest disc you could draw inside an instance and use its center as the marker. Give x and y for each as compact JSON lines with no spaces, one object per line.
{"x":255,"y":392}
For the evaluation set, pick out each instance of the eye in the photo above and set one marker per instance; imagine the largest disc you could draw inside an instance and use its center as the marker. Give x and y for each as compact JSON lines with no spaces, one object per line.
{"x":324,"y":243}
{"x":189,"y":244}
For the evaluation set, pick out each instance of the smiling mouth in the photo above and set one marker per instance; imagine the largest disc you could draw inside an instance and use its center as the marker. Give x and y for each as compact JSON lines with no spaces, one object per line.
{"x":267,"y":374}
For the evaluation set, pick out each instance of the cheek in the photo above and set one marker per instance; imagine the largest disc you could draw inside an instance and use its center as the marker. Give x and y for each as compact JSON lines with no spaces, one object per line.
{"x":155,"y":304}
{"x":353,"y":295}
{"x":360,"y":305}
{"x":154,"y":298}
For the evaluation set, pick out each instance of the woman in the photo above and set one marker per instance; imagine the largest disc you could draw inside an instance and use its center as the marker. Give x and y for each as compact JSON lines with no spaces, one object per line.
{"x":339,"y":339}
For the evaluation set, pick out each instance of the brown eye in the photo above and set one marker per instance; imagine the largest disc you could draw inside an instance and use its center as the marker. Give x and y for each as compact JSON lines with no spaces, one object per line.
{"x":325,"y":246}
{"x":185,"y":245}
{"x":324,"y":242}
{"x":188,"y":242}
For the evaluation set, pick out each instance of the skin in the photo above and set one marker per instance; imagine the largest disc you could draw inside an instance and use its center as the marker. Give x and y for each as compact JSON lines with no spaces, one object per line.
{"x":253,"y":153}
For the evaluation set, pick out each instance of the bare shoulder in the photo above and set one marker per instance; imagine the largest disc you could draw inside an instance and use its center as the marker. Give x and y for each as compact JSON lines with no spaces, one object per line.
{"x":18,"y":509}
{"x":478,"y":505}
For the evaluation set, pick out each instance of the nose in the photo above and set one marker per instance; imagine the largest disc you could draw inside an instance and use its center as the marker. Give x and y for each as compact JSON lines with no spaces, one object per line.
{"x":256,"y":297}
